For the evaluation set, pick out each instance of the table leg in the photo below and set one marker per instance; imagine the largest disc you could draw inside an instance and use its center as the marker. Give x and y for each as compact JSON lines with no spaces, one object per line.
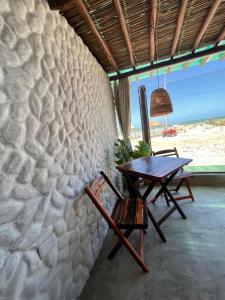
{"x":168,"y":197}
{"x":151,"y":217}
{"x":132,"y":189}
{"x":156,"y":225}
{"x":148,"y":190}
{"x":134,"y":192}
{"x":167,"y":200}
{"x":163,"y":186}
{"x":175,"y":204}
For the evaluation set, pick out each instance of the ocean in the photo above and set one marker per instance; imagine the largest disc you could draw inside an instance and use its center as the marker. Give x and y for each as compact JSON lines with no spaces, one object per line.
{"x":212,"y":120}
{"x":199,"y":120}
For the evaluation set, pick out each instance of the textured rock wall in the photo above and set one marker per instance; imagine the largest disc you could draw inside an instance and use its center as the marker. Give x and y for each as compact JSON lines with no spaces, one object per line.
{"x":57,"y":130}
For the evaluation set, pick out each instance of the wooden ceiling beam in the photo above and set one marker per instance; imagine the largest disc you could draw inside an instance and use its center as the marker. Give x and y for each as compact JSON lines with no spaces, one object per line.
{"x":90,"y":23}
{"x":221,"y":36}
{"x":206,"y":23}
{"x":170,"y":62}
{"x":123,"y":26}
{"x":180,"y":21}
{"x":153,"y":16}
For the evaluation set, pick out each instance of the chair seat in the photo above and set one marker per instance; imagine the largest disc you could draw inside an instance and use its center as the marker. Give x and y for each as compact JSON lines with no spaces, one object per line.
{"x":182,"y":175}
{"x":130,"y":214}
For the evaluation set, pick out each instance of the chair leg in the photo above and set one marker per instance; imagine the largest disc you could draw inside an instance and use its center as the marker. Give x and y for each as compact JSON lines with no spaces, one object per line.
{"x":179,"y":185}
{"x":131,"y":249}
{"x":189,"y":189}
{"x":119,"y":244}
{"x":141,"y":249}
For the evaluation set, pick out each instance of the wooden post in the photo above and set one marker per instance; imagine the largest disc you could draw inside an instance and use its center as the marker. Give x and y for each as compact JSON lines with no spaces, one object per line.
{"x":144,"y":115}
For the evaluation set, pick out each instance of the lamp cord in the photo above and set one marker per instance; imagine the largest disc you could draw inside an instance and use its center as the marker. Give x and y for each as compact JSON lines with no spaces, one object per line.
{"x":155,"y":38}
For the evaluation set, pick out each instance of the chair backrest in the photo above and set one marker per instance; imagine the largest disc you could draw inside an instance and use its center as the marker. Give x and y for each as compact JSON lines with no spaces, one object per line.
{"x":94,"y":193}
{"x":166,"y":152}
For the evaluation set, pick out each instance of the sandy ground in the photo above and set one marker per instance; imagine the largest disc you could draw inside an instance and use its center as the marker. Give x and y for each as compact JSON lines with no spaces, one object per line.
{"x":202,"y":142}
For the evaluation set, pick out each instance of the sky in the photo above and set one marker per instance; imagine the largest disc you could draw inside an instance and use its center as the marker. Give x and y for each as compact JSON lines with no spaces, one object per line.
{"x":196,"y":93}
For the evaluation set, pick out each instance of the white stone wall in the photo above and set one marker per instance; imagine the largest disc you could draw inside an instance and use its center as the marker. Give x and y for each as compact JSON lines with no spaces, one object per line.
{"x":57,"y":130}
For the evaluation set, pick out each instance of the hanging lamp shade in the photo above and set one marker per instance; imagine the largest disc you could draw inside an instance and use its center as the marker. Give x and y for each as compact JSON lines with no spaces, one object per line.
{"x":160,"y":103}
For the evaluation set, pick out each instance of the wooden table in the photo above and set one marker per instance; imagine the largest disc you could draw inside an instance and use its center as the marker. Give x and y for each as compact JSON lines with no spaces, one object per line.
{"x":156,"y":170}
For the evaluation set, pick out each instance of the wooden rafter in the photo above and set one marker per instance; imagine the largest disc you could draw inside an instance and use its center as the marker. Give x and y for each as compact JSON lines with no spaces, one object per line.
{"x":123,"y":26}
{"x":221,"y":36}
{"x":90,"y":23}
{"x":179,"y":26}
{"x":206,"y":23}
{"x":153,"y":15}
{"x":170,"y":62}
{"x":101,"y":29}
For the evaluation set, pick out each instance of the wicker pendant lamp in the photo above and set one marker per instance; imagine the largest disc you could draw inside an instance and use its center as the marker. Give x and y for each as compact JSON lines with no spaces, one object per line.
{"x":160,"y":103}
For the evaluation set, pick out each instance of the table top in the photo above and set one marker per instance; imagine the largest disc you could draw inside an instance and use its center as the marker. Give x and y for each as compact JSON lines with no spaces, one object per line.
{"x":153,"y":167}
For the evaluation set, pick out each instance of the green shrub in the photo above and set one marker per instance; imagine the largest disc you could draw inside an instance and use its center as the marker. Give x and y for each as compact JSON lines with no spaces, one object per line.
{"x":141,"y":150}
{"x":124,"y":151}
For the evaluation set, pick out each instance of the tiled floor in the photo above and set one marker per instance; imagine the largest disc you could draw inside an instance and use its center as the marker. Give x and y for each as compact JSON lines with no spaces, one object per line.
{"x":190,"y":266}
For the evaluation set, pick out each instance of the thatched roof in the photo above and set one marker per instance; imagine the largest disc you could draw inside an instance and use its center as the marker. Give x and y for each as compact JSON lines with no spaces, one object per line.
{"x":121,"y":34}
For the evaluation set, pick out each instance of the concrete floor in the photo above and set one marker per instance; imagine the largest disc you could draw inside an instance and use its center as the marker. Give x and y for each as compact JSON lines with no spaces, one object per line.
{"x":190,"y":266}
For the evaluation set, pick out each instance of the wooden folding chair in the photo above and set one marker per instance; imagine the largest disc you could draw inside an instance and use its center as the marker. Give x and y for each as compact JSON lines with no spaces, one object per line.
{"x":128,"y":214}
{"x":181,"y":178}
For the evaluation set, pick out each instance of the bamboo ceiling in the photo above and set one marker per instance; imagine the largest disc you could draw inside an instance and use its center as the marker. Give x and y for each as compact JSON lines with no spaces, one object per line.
{"x":124,"y":34}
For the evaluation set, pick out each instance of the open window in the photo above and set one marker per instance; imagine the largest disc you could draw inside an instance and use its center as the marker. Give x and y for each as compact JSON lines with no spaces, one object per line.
{"x":197,"y":125}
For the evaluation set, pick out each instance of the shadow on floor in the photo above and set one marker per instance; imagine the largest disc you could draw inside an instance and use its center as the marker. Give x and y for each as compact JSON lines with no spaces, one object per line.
{"x":190,"y":266}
